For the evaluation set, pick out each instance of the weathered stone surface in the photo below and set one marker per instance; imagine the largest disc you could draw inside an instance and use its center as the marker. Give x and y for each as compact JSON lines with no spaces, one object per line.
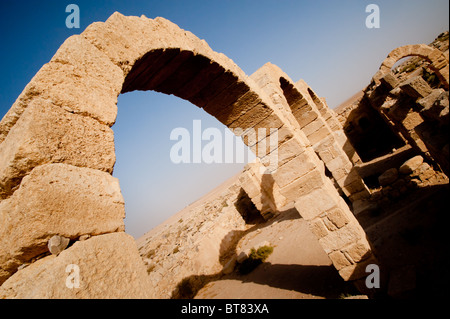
{"x":416,"y":87}
{"x":79,"y":78}
{"x":388,"y":177}
{"x":109,"y":267}
{"x":57,"y":244}
{"x":57,"y":199}
{"x":47,"y":134}
{"x":314,"y":204}
{"x":411,"y":165}
{"x":229,"y":266}
{"x":337,"y":239}
{"x":389,"y":80}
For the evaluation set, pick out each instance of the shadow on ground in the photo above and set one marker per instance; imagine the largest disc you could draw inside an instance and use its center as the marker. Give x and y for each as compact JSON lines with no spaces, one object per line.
{"x":321,"y":281}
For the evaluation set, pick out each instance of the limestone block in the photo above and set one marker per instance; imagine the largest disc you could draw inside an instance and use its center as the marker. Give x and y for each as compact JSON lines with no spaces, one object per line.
{"x":298,"y":166}
{"x":303,"y":185}
{"x":319,"y":135}
{"x":244,"y":104}
{"x":358,"y":270}
{"x":305,"y":116}
{"x":350,"y":233}
{"x":125,"y":39}
{"x":412,"y":120}
{"x":362,"y":206}
{"x":57,"y":244}
{"x":57,"y":199}
{"x":289,"y":149}
{"x":79,"y":78}
{"x":313,"y":127}
{"x":416,"y":87}
{"x":411,"y":165}
{"x":434,"y":104}
{"x":107,"y":266}
{"x":338,"y":217}
{"x":389,"y":80}
{"x":251,"y":118}
{"x":428,"y":101}
{"x":358,"y":251}
{"x":47,"y":134}
{"x":388,"y":177}
{"x":339,"y":260}
{"x":315,"y":203}
{"x":318,"y":227}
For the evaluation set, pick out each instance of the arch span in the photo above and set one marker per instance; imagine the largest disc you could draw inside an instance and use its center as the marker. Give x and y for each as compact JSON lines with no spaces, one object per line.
{"x":58,"y":133}
{"x":438,"y":61}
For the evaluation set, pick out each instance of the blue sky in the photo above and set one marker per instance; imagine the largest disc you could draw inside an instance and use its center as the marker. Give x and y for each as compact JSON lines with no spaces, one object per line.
{"x":326,"y":43}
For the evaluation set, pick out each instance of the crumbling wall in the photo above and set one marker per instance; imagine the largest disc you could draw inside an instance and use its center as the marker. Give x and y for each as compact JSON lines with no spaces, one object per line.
{"x":416,"y":105}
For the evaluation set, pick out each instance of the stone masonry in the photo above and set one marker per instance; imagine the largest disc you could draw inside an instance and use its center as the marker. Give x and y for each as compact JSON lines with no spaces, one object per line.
{"x":57,"y":155}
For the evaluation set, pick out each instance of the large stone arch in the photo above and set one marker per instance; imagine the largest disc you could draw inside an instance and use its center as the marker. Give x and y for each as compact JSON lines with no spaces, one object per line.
{"x":313,"y":121}
{"x":57,"y":156}
{"x":438,"y":61}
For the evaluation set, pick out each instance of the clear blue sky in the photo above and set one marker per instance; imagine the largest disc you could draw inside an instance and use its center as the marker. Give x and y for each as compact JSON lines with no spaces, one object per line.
{"x":326,"y":43}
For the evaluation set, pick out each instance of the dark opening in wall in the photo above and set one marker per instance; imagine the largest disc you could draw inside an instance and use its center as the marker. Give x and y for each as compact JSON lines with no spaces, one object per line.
{"x":369,"y":134}
{"x":247,"y":209}
{"x":364,"y":123}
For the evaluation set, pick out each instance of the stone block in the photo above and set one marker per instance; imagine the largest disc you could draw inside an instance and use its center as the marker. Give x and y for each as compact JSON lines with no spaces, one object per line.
{"x":289,"y":150}
{"x":339,"y":260}
{"x":57,"y":199}
{"x":428,"y":101}
{"x":416,"y":87}
{"x":412,"y":120}
{"x":338,"y":217}
{"x":313,"y":127}
{"x":305,"y":116}
{"x":389,"y":80}
{"x":293,"y":169}
{"x":109,"y":267}
{"x":358,"y":270}
{"x":319,"y":135}
{"x":56,"y":244}
{"x":358,"y":251}
{"x":315,"y":203}
{"x":251,"y":118}
{"x":388,"y":177}
{"x":350,"y":233}
{"x":46,"y":134}
{"x":79,"y":79}
{"x":318,"y":228}
{"x":411,"y":165}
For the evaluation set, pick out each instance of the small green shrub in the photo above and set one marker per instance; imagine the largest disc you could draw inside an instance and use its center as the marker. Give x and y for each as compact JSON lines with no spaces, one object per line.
{"x":255,"y":258}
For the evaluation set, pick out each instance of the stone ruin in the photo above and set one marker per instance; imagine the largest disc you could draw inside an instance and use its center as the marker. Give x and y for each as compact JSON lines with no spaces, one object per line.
{"x":57,"y":155}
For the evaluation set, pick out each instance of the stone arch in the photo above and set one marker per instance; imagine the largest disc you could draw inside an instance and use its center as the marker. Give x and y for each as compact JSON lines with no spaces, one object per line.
{"x":299,"y":107}
{"x":438,"y":61}
{"x":57,"y":156}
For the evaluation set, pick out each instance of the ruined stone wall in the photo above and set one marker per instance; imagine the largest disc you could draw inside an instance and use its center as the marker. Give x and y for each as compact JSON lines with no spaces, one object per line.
{"x":416,"y":104}
{"x":57,"y":156}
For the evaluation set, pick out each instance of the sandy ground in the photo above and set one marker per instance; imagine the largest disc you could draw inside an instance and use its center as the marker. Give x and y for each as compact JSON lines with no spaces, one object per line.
{"x":298,"y":268}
